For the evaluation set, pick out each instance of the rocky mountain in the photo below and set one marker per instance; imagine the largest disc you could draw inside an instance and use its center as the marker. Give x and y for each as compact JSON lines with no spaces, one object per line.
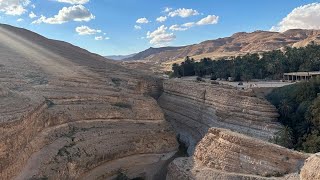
{"x":120,"y":57}
{"x":66,"y":113}
{"x":237,"y":44}
{"x":148,"y":53}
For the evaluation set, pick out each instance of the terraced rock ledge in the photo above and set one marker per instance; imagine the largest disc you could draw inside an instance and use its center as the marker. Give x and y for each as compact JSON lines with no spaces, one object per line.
{"x":192,"y":108}
{"x":66,"y":113}
{"x":226,"y":155}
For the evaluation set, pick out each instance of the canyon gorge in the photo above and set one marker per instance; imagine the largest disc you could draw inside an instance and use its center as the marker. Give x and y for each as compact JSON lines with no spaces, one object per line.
{"x":69,"y":114}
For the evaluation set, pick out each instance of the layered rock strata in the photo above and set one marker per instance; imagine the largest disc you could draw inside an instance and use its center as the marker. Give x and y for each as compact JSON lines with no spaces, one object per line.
{"x":311,"y":168}
{"x":226,"y":155}
{"x":192,"y":108}
{"x":68,"y":114}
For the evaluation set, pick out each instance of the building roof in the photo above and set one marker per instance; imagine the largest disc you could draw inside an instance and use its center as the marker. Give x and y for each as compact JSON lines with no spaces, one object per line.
{"x":302,"y":73}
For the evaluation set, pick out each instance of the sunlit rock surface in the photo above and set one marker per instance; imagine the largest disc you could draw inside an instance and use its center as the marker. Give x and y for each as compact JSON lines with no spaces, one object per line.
{"x":66,"y":113}
{"x":226,"y":155}
{"x":311,"y":168}
{"x":192,"y":108}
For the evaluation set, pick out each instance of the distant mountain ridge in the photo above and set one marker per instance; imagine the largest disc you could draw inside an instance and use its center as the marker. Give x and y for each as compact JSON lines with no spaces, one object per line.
{"x":149,"y":52}
{"x":237,"y":44}
{"x":120,"y":57}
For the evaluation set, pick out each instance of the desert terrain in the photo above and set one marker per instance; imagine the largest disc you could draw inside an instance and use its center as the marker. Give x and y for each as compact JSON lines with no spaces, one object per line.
{"x":69,"y":114}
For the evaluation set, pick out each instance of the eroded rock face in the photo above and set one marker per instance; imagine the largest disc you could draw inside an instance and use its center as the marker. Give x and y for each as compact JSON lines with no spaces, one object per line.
{"x":192,"y":108}
{"x":68,"y":114}
{"x":223,"y":154}
{"x":311,"y":168}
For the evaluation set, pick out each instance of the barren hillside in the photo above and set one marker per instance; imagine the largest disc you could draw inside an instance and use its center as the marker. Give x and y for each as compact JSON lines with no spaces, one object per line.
{"x":237,"y":44}
{"x":68,"y":114}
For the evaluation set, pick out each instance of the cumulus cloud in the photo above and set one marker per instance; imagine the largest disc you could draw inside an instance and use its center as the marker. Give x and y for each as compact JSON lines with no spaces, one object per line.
{"x":85,"y":30}
{"x":32,"y":15}
{"x":73,"y":13}
{"x":189,"y":24}
{"x":137,"y":27}
{"x":25,"y":2}
{"x":303,"y":17}
{"x":176,"y":27}
{"x":74,"y":1}
{"x":210,"y":19}
{"x":161,"y":19}
{"x":167,"y":9}
{"x":14,"y":7}
{"x":183,"y":13}
{"x":160,"y":37}
{"x":98,"y":38}
{"x":142,"y":21}
{"x":20,"y":19}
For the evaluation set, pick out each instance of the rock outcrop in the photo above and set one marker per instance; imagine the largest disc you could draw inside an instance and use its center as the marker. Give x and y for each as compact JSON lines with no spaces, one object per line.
{"x":66,"y":113}
{"x":192,"y":108}
{"x":226,"y":155}
{"x":311,"y":168}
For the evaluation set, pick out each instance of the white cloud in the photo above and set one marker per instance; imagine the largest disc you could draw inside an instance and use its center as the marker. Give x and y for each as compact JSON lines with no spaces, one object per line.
{"x":33,"y":6}
{"x":98,"y":38}
{"x":137,"y":27}
{"x":13,"y":7}
{"x":142,"y":21}
{"x":167,"y":9}
{"x":160,"y":37}
{"x":176,"y":27}
{"x":85,"y":30}
{"x":74,"y":1}
{"x":107,"y":38}
{"x":161,"y":19}
{"x":20,"y":19}
{"x":210,"y":19}
{"x":26,"y":2}
{"x":73,"y":13}
{"x":303,"y":17}
{"x":183,"y":13}
{"x":189,"y":24}
{"x":32,"y":15}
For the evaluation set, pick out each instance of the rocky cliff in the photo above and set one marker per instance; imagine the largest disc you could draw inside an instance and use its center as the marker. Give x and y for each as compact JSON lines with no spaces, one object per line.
{"x":226,"y":155}
{"x":238,"y":44}
{"x":68,"y":114}
{"x":192,"y":108}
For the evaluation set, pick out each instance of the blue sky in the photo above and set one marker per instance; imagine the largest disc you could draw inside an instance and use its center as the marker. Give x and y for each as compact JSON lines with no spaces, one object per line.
{"x":107,"y":27}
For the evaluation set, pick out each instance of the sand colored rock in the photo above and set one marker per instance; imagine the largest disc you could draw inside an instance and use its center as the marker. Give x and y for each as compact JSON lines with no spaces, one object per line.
{"x":192,"y":108}
{"x":311,"y":168}
{"x":223,"y":154}
{"x":66,"y":113}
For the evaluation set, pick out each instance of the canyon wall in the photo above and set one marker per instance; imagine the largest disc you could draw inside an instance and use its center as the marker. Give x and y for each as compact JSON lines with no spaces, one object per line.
{"x":226,"y":155}
{"x":192,"y":108}
{"x":66,"y":113}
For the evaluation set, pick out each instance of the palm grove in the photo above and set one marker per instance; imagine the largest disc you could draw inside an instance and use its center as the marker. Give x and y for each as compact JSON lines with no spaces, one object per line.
{"x":268,"y":65}
{"x":298,"y":104}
